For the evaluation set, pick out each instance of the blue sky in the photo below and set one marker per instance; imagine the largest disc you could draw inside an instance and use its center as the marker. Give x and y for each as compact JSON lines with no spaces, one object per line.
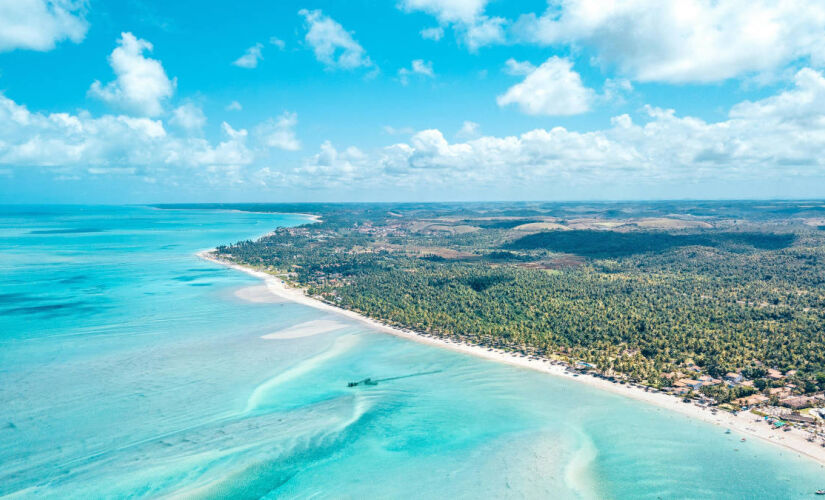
{"x":147,"y":101}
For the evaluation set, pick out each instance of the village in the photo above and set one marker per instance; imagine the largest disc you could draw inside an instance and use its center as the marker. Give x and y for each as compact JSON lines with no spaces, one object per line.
{"x":773,"y":399}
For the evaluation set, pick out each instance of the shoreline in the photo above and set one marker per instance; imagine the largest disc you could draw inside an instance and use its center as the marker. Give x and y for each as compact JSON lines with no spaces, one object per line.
{"x":744,"y":423}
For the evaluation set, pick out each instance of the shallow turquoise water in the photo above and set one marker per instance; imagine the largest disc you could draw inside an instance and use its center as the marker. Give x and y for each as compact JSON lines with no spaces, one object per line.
{"x":128,"y":367}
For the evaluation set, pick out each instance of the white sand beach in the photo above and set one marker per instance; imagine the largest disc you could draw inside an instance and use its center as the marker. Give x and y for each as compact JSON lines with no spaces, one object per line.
{"x":744,"y":424}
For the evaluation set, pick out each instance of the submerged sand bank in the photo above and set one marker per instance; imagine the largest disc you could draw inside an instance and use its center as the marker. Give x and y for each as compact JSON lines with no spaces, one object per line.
{"x":306,"y":329}
{"x":743,"y":424}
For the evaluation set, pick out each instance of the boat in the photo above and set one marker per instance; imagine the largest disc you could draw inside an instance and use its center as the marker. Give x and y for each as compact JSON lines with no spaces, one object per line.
{"x":366,"y":381}
{"x":743,"y":440}
{"x":727,"y":431}
{"x":819,"y":492}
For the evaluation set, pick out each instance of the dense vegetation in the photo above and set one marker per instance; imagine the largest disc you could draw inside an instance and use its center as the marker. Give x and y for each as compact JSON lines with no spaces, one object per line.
{"x":592,"y":243}
{"x":651,"y":294}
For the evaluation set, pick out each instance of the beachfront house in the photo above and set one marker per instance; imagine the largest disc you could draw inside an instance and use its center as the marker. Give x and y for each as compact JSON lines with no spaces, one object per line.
{"x":799,"y":418}
{"x":752,"y":400}
{"x":797,"y":402}
{"x":708,"y":380}
{"x":688,"y":383}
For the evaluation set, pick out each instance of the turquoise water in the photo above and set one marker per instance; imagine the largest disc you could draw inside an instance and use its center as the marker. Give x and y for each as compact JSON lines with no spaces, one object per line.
{"x":130,"y":368}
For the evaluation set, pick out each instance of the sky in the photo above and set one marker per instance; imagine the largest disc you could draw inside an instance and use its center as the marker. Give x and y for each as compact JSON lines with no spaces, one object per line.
{"x":139,"y":101}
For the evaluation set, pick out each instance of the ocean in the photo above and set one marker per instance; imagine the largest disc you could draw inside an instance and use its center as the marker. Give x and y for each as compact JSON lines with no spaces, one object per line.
{"x":131,"y":368}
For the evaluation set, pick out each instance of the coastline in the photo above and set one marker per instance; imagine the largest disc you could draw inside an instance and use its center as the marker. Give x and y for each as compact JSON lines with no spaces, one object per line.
{"x":743,"y":424}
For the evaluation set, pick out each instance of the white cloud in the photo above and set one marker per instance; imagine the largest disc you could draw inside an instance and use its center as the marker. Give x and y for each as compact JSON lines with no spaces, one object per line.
{"x":803,"y":107}
{"x":250,"y":58}
{"x":82,"y":142}
{"x":436,"y":33}
{"x":688,"y":40}
{"x":234,"y":106}
{"x":519,"y":68}
{"x":273,"y":40}
{"x":773,"y":138}
{"x":448,"y":11}
{"x":331,"y":43}
{"x":40,"y":24}
{"x":465,"y":16}
{"x":469,"y":130}
{"x":280,"y":133}
{"x":553,"y":88}
{"x":141,"y":85}
{"x":485,"y":31}
{"x":337,"y":169}
{"x":417,"y":67}
{"x":188,"y":117}
{"x":615,"y":90}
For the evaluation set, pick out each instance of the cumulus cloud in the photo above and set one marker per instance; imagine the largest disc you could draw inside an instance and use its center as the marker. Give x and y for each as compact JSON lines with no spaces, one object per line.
{"x":40,"y":24}
{"x":141,"y":85}
{"x":82,"y":142}
{"x":250,"y":58}
{"x":189,"y":117}
{"x":280,"y":133}
{"x":685,"y":41}
{"x":332,"y":44}
{"x":466,"y":17}
{"x":337,"y":169}
{"x":782,"y":135}
{"x":417,"y":67}
{"x":553,"y":88}
{"x":469,"y":130}
{"x":234,"y":106}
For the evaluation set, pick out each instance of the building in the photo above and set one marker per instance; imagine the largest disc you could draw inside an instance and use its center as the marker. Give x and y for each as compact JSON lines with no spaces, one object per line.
{"x":689,"y":383}
{"x":751,"y":400}
{"x":797,"y":402}
{"x":780,"y":392}
{"x":797,"y":417}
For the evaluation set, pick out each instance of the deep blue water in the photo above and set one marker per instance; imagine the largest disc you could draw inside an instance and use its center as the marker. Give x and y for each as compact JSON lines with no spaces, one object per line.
{"x":130,"y":368}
